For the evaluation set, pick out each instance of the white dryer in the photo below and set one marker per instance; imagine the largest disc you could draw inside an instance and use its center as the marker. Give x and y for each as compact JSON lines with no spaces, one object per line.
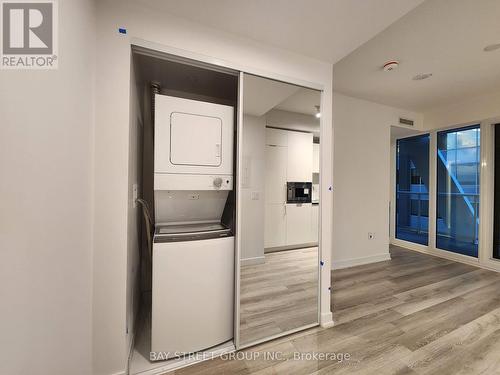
{"x":193,"y":137}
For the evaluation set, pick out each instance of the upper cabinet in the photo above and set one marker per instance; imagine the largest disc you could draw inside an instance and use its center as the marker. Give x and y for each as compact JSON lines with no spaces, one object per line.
{"x":276,"y":137}
{"x":300,"y":157}
{"x":316,"y":158}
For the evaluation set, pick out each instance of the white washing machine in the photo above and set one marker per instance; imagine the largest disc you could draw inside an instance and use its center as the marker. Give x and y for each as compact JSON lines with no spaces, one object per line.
{"x":193,"y":288}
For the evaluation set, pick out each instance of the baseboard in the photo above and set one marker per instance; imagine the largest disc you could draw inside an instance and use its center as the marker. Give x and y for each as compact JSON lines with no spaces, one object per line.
{"x":339,"y":264}
{"x":253,"y":261}
{"x":290,"y":247}
{"x":326,"y":320}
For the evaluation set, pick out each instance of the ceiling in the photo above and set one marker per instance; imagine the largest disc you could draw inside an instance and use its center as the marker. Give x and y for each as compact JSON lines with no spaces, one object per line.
{"x":260,"y":95}
{"x":400,"y":132}
{"x":322,"y":29}
{"x":303,"y":101}
{"x":443,"y":37}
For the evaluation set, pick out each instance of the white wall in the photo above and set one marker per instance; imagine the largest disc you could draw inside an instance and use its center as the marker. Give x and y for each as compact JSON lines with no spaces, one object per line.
{"x":252,"y":219}
{"x":46,"y":206}
{"x":465,"y":111}
{"x":112,"y":146}
{"x":361,"y":179}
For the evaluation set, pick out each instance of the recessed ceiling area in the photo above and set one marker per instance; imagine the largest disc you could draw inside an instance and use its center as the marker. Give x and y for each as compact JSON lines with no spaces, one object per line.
{"x":321,"y":29}
{"x":262,"y":95}
{"x":400,"y":132}
{"x":302,"y":101}
{"x":443,"y":37}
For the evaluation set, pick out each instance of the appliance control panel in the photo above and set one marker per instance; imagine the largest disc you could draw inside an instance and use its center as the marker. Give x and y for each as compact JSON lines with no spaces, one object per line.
{"x":193,"y":182}
{"x":222,"y":182}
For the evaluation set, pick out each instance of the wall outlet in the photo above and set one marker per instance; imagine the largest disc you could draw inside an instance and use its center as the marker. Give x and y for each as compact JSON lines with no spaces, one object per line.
{"x":371,"y":235}
{"x":255,"y":195}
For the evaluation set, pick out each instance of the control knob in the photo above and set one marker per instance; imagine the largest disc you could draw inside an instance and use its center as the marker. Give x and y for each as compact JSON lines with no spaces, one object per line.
{"x":217,"y":182}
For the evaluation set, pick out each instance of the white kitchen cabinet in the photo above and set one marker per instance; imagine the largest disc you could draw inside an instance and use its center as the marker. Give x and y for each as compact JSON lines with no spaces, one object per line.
{"x":276,"y":163}
{"x":298,"y":223}
{"x":276,"y":137}
{"x":275,"y":225}
{"x":315,"y":223}
{"x":300,"y":156}
{"x":315,"y":158}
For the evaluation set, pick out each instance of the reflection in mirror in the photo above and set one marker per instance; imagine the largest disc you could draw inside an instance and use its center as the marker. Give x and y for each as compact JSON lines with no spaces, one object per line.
{"x":279,"y":209}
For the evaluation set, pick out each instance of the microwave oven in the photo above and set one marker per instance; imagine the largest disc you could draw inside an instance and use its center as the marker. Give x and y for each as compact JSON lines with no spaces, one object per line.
{"x":298,"y":192}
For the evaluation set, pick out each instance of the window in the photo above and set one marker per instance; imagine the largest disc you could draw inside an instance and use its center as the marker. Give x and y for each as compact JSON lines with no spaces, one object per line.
{"x":412,"y":189}
{"x":457,"y":200}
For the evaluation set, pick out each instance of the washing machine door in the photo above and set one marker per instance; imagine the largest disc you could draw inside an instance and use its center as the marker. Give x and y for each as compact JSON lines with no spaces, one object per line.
{"x":193,"y":137}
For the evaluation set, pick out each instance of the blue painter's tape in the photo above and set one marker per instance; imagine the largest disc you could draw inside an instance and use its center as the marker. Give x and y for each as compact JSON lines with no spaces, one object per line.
{"x":122,"y":30}
{"x":322,"y":263}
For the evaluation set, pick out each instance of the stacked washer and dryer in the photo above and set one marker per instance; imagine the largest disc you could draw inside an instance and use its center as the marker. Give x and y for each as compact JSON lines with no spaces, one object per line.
{"x":193,"y":248}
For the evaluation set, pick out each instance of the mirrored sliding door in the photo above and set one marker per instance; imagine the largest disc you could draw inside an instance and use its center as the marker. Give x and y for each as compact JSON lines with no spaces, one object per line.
{"x":278,"y":209}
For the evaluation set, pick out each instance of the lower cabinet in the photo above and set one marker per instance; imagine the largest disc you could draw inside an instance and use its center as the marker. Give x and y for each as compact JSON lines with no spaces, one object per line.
{"x":298,"y":223}
{"x":291,"y":224}
{"x":275,"y":225}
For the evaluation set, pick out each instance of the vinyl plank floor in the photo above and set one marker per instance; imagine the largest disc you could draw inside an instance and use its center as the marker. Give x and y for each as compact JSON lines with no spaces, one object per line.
{"x":280,"y":294}
{"x":412,"y":315}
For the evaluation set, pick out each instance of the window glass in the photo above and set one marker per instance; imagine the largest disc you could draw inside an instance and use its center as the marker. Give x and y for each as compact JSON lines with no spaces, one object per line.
{"x":412,"y":189}
{"x":457,"y":199}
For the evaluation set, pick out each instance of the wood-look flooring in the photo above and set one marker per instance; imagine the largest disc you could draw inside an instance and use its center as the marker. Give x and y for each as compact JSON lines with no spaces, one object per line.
{"x":414,"y":314}
{"x":279,"y":295}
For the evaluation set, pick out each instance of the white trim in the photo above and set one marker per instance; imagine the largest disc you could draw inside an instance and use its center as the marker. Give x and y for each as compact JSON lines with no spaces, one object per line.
{"x":409,"y":245}
{"x":486,"y":219}
{"x":124,"y":372}
{"x":278,"y":335}
{"x":326,"y":320}
{"x":239,"y":160}
{"x":181,"y":363}
{"x":253,"y":261}
{"x":347,"y":263}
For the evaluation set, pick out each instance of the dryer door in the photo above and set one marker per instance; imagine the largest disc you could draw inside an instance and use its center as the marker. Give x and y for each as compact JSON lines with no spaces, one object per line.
{"x":193,"y":137}
{"x":195,"y":140}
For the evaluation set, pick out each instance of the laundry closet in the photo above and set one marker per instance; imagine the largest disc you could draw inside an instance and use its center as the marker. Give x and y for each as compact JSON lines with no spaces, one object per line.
{"x":200,"y":150}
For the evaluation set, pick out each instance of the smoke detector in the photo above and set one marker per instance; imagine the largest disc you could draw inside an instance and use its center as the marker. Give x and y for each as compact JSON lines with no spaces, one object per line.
{"x":390,"y":65}
{"x":422,"y":76}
